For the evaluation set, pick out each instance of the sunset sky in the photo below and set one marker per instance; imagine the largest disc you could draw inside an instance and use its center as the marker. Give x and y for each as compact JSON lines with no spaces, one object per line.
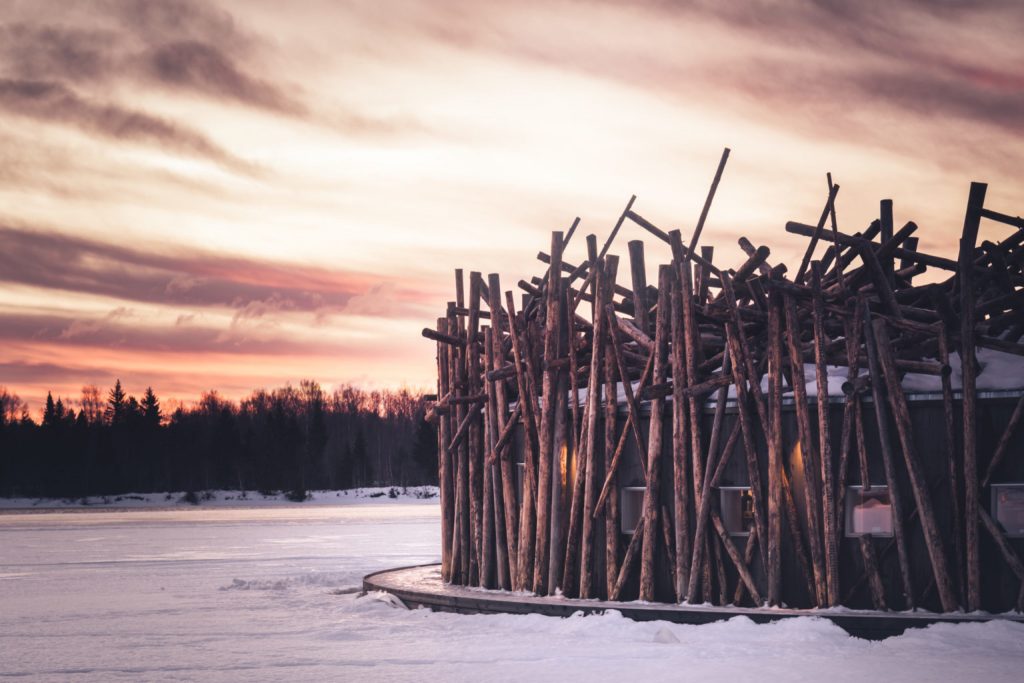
{"x":232,"y":195}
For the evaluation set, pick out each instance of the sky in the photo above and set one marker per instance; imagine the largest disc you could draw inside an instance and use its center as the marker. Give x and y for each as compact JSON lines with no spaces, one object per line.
{"x":246,"y":193}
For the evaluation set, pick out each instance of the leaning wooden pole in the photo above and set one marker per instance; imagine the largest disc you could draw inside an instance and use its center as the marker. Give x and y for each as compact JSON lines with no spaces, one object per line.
{"x":812,"y":497}
{"x":888,"y":459}
{"x":527,"y":511}
{"x":918,"y":483}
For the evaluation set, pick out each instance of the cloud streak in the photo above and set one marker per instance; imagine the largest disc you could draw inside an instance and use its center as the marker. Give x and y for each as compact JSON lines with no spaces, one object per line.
{"x":53,"y":102}
{"x":254,"y":289}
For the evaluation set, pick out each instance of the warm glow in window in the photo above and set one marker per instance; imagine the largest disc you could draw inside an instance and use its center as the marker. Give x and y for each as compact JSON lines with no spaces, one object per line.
{"x":868,"y":513}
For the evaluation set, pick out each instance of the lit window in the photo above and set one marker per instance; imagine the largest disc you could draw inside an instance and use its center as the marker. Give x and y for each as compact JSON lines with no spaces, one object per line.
{"x":737,"y":509}
{"x":868,"y":513}
{"x":631,"y":508}
{"x":1008,"y":508}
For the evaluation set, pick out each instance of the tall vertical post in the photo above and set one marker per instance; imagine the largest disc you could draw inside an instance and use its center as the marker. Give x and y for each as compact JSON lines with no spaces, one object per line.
{"x":653,"y":490}
{"x":552,"y":321}
{"x":638,"y":273}
{"x":972,"y":221}
{"x":774,"y":438}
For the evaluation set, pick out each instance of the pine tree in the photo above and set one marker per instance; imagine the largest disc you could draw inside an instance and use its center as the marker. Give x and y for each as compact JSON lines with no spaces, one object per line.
{"x":116,"y":404}
{"x":151,"y":408}
{"x":50,"y":412}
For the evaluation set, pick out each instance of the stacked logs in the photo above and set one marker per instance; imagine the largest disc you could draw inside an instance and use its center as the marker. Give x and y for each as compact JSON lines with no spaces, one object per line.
{"x":563,"y":383}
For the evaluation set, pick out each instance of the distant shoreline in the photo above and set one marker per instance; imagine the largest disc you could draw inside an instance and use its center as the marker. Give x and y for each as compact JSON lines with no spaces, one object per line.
{"x":220,"y":499}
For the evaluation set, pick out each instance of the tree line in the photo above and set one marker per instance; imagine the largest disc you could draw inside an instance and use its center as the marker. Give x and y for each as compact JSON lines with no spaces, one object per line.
{"x":291,"y":439}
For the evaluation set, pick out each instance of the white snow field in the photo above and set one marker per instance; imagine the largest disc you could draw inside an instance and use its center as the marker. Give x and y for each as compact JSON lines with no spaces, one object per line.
{"x":269,"y":594}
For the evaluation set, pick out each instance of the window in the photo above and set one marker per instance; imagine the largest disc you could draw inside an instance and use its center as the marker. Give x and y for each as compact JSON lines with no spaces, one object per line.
{"x":1008,"y":508}
{"x":631,"y":508}
{"x":737,"y":509}
{"x":868,"y":513}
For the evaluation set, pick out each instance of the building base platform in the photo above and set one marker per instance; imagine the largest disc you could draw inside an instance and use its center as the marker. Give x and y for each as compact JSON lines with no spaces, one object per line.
{"x":421,"y":586}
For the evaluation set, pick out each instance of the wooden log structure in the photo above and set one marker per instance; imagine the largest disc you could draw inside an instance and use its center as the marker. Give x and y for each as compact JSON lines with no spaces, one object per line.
{"x":738,"y":435}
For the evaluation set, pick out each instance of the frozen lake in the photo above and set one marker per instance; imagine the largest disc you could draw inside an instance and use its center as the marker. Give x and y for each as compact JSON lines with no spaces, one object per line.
{"x":263,"y":594}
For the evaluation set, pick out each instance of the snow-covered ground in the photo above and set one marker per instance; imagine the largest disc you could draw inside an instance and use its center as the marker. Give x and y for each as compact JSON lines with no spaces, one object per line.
{"x":269,"y":593}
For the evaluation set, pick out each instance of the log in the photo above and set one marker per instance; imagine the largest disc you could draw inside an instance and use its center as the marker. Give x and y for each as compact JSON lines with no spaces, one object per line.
{"x":634,"y":333}
{"x":680,"y":454}
{"x":611,"y":507}
{"x":885,"y":218}
{"x":552,"y":324}
{"x":746,"y":578}
{"x":664,"y":236}
{"x":953,"y":467}
{"x":774,"y":439}
{"x":616,"y":457}
{"x":825,"y":441}
{"x":835,"y":249}
{"x":888,"y":460}
{"x":833,"y":190}
{"x":479,"y":504}
{"x":852,"y":241}
{"x":444,"y":460}
{"x":651,"y":492}
{"x":608,"y":243}
{"x":572,"y":566}
{"x":500,"y":324}
{"x":442,"y":337}
{"x":602,"y":295}
{"x":524,"y":549}
{"x":627,"y":562}
{"x":638,"y":273}
{"x":574,"y":380}
{"x":708,"y":200}
{"x":703,"y":279}
{"x":918,"y":483}
{"x":1005,"y":549}
{"x":633,"y":410}
{"x":559,"y":486}
{"x":972,"y":219}
{"x":692,"y":350}
{"x":878,"y":276}
{"x":462,"y":544}
{"x":748,"y":556}
{"x":812,"y":492}
{"x":493,"y":482}
{"x":867,"y":551}
{"x":799,"y":547}
{"x":744,"y":375}
{"x":715,"y":465}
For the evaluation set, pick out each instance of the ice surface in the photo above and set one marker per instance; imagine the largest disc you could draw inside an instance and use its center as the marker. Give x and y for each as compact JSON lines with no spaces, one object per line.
{"x":268,"y":594}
